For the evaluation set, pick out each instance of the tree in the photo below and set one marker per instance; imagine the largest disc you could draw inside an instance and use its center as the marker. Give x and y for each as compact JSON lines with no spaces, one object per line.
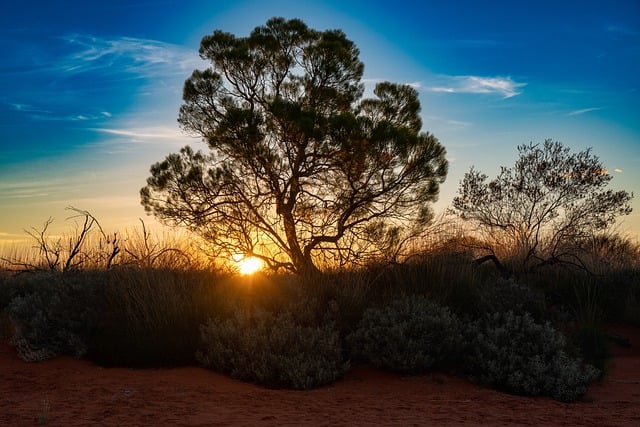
{"x":301,"y":169}
{"x":541,"y":210}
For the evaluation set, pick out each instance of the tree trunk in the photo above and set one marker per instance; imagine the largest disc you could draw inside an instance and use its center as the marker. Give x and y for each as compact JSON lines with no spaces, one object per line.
{"x":302,"y":264}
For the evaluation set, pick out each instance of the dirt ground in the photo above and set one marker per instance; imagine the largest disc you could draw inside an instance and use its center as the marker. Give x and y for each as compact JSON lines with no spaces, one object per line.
{"x":69,"y":392}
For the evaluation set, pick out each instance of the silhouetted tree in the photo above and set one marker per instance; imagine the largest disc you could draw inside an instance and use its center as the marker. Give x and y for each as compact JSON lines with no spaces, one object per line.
{"x":540,"y":211}
{"x":300,"y":168}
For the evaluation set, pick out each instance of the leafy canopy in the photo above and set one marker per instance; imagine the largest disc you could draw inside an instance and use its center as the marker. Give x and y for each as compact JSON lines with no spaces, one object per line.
{"x":543,"y":208}
{"x":301,"y":170}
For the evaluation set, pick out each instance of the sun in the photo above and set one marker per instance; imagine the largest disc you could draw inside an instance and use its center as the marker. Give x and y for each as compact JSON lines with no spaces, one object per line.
{"x":248,"y":264}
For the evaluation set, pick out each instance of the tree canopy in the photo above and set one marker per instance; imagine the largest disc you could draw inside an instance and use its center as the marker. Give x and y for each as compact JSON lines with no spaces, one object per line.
{"x":541,"y":210}
{"x":301,"y":169}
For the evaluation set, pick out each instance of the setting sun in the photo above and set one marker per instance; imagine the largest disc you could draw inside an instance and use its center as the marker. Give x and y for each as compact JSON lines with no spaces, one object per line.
{"x":248,"y":264}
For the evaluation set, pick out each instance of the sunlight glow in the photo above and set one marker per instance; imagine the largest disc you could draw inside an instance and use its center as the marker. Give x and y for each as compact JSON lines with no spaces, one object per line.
{"x":247,"y":264}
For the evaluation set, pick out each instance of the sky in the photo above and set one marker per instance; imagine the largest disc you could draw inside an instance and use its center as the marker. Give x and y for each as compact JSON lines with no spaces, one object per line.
{"x":90,"y":90}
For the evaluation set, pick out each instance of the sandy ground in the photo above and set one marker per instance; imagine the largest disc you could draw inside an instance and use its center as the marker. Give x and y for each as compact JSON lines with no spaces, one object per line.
{"x":69,"y":392}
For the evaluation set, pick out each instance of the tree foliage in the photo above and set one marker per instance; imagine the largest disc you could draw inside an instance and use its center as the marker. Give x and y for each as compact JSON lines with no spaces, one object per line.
{"x":545,"y":207}
{"x":301,"y":169}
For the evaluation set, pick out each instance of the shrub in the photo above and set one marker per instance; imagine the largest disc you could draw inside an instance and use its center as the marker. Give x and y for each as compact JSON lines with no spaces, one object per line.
{"x":409,"y":336}
{"x":503,"y":295}
{"x":151,"y":317}
{"x":272,"y":350}
{"x":54,"y":313}
{"x":513,"y":353}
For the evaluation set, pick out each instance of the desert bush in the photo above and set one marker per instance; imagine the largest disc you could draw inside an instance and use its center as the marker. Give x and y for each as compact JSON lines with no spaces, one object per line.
{"x":151,"y":317}
{"x":511,"y":352}
{"x":54,"y":314}
{"x":272,"y":350}
{"x":502,"y":295}
{"x":410,"y":335}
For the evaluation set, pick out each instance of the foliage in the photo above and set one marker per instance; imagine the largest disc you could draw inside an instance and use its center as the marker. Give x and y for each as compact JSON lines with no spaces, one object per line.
{"x":410,"y":335}
{"x":272,"y":349}
{"x":501,"y":296}
{"x":302,"y":171}
{"x":545,"y":208}
{"x":89,"y":247}
{"x":513,"y":353}
{"x":70,"y":252}
{"x":55,"y":314}
{"x":151,"y":317}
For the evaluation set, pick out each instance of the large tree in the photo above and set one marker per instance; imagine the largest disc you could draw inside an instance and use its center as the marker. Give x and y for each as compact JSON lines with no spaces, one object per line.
{"x":300,"y":169}
{"x":542,"y":210}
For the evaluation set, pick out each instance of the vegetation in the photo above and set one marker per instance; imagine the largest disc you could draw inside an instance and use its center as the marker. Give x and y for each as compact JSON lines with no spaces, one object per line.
{"x":54,"y":314}
{"x":409,"y":335}
{"x":544,"y":209}
{"x":301,"y":171}
{"x":273,"y":349}
{"x":280,"y":331}
{"x":513,"y":353}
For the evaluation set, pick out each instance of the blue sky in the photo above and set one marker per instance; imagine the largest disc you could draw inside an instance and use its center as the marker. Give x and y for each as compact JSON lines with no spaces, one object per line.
{"x":90,"y":91}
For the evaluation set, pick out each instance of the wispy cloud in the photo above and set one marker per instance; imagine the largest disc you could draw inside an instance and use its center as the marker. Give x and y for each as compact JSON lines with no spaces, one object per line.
{"x":583,"y":111}
{"x":27,"y":108}
{"x":617,"y":31}
{"x":30,"y":189}
{"x":45,"y":115}
{"x":617,"y":170}
{"x":503,"y":86}
{"x":449,"y":122}
{"x":140,"y":57}
{"x":144,"y":133}
{"x":79,"y":68}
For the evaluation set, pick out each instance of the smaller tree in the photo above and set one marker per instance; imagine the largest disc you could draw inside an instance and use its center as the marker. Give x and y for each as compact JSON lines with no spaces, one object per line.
{"x":541,"y":210}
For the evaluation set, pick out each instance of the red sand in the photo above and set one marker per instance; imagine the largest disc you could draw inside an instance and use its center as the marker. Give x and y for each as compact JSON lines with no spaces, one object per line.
{"x":80,"y":393}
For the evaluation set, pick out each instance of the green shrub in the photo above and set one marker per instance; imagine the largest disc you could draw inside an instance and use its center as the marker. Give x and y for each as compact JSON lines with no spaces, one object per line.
{"x":410,"y":335}
{"x":511,"y":352}
{"x":54,"y":313}
{"x":272,"y":350}
{"x":501,"y":296}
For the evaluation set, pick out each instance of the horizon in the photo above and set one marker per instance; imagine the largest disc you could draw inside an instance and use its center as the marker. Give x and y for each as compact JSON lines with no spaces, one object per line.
{"x":91,"y":92}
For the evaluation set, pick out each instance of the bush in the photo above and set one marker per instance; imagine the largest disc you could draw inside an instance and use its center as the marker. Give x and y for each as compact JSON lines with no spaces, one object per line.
{"x":409,"y":336}
{"x":54,"y":313}
{"x":272,"y":350}
{"x":511,"y":352}
{"x":502,"y":296}
{"x":151,"y":317}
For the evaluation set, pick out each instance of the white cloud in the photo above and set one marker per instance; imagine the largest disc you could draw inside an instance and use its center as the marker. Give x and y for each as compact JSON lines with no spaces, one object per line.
{"x":144,"y":133}
{"x":617,"y":170}
{"x":504,"y":86}
{"x":27,"y":108}
{"x":583,"y":111}
{"x":142,"y":57}
{"x":49,"y":116}
{"x":450,"y":122}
